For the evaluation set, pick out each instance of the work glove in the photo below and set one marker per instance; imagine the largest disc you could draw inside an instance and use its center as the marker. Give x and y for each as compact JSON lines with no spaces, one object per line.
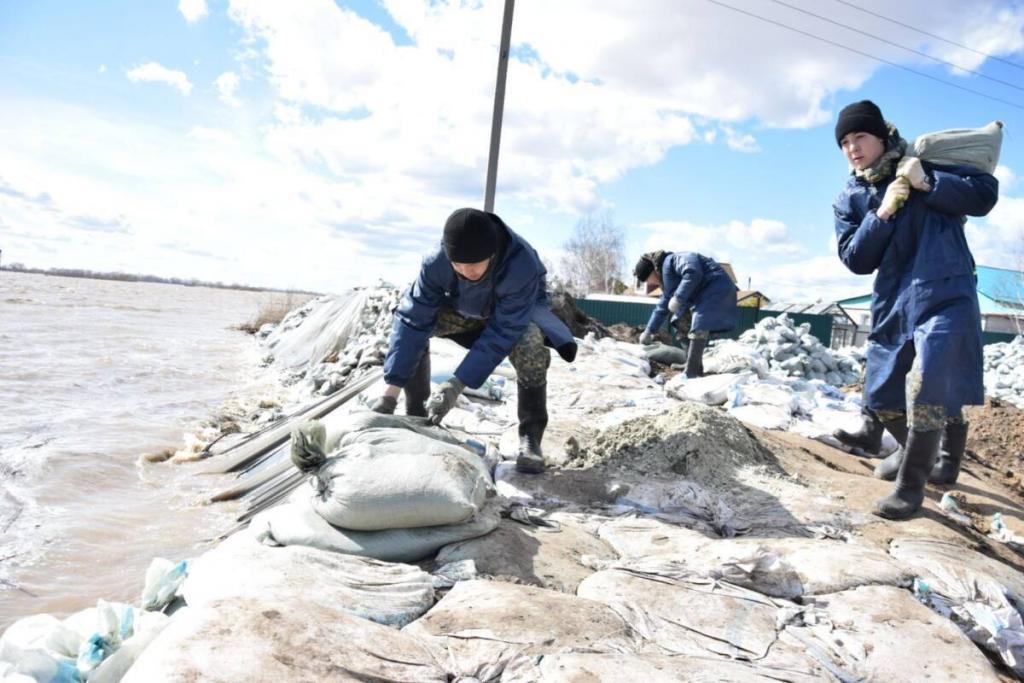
{"x":646,"y":337}
{"x":911,"y":169}
{"x":444,"y":399}
{"x":895,"y":195}
{"x":385,"y":405}
{"x":674,"y":304}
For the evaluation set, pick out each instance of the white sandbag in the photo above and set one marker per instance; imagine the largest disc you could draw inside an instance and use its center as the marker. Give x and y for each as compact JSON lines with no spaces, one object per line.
{"x":977,"y":147}
{"x":763,"y":393}
{"x":297,"y":523}
{"x":481,"y":626}
{"x":114,"y":667}
{"x":163,"y":581}
{"x":339,"y":423}
{"x":881,"y":633}
{"x":763,"y":416}
{"x":954,"y":570}
{"x":733,"y":357}
{"x":688,"y":615}
{"x":258,"y":639}
{"x":711,"y":390}
{"x":398,"y":479}
{"x":242,"y":567}
{"x":650,"y":668}
{"x":779,"y":567}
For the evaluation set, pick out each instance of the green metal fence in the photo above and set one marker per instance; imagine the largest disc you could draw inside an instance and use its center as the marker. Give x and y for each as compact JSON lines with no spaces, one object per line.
{"x":636,"y":313}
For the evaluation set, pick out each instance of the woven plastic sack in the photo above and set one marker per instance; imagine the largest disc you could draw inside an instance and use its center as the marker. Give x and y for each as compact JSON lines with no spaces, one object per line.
{"x":976,"y":147}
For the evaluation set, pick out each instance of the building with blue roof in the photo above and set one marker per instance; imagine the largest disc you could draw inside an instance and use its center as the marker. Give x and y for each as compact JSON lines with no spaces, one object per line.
{"x":1000,"y":297}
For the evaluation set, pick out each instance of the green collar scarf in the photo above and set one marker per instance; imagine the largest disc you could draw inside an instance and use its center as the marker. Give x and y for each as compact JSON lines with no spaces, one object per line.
{"x":885,"y":166}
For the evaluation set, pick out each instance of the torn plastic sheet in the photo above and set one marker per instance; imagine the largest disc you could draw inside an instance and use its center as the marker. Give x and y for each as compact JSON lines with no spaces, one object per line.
{"x":690,"y":504}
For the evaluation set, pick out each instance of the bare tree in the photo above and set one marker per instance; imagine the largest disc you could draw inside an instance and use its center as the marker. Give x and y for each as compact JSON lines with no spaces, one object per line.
{"x":595,"y":255}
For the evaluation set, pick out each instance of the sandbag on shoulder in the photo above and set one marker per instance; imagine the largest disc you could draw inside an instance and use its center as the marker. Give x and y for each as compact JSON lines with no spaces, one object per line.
{"x":397,"y":479}
{"x":975,"y":147}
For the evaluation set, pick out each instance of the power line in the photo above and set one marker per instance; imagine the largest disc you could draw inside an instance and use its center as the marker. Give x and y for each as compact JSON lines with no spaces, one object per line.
{"x":868,"y":55}
{"x":895,"y":44}
{"x":931,"y":35}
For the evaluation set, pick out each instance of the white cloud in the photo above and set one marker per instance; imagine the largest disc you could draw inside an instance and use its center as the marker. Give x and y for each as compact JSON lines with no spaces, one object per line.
{"x":1005,"y":176}
{"x":227,"y":85}
{"x":152,"y":72}
{"x":193,"y":10}
{"x":102,"y":69}
{"x":740,"y":142}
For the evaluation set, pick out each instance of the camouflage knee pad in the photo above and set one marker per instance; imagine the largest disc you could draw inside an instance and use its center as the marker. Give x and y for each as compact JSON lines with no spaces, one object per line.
{"x":700,"y":334}
{"x":531,"y":358}
{"x":890,"y":415}
{"x":922,"y":417}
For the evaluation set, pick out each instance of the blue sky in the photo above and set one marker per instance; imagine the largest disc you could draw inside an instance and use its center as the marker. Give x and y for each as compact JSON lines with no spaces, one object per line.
{"x":321,"y":144}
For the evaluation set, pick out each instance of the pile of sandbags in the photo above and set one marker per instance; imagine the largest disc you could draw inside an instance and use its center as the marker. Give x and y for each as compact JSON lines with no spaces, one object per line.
{"x":98,"y":644}
{"x":1004,"y":371}
{"x":778,"y":346}
{"x":388,"y":487}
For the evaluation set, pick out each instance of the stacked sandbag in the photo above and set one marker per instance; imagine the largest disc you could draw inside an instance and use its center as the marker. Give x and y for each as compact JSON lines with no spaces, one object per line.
{"x":387,"y":487}
{"x":1004,"y":371}
{"x":780,"y":347}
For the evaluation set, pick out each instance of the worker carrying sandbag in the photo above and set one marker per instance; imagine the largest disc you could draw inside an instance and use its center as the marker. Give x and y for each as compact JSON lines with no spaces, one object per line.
{"x":485,"y":288}
{"x":903,"y":217}
{"x":689,"y":282}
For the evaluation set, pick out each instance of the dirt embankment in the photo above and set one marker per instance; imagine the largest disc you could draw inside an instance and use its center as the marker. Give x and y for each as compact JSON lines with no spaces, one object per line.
{"x":996,"y":443}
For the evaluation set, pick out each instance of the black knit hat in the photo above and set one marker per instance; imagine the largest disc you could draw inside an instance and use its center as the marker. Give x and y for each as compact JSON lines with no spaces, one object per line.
{"x":644,"y":268}
{"x":470,"y":236}
{"x":861,"y":117}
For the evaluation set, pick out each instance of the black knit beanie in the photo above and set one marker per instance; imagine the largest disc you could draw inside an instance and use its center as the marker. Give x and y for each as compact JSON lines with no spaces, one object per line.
{"x":644,"y":268}
{"x":861,"y":117}
{"x":470,"y":236}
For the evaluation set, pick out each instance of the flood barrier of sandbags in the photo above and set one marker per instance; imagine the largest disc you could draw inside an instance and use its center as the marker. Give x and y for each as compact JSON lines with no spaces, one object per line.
{"x":1004,"y":371}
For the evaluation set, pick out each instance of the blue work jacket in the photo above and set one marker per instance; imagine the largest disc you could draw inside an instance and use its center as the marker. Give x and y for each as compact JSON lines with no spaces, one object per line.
{"x":700,"y":284}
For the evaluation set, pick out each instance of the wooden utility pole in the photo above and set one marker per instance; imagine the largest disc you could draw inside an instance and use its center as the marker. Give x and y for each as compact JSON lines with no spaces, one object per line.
{"x":499,"y":106}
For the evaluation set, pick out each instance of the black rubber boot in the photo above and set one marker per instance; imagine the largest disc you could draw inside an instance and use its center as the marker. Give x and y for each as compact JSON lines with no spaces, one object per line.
{"x":417,"y":389}
{"x":533,"y":420}
{"x":890,"y":467}
{"x":954,"y":443}
{"x":868,"y":438}
{"x":695,"y":358}
{"x":919,"y":458}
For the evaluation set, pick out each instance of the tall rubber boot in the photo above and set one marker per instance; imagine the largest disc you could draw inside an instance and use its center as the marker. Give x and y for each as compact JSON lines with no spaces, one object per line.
{"x":695,"y":358}
{"x":954,"y":443}
{"x":919,"y":458}
{"x":533,"y":420}
{"x":890,"y":467}
{"x":868,"y":438}
{"x":417,"y":389}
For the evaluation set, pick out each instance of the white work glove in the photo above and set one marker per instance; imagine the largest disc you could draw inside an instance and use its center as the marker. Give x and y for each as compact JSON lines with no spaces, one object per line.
{"x":674,"y":304}
{"x":444,"y":399}
{"x":895,"y":196}
{"x":646,"y":337}
{"x":911,"y":169}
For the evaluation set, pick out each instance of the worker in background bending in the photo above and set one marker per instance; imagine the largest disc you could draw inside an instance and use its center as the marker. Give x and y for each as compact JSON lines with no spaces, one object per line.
{"x":689,"y":281}
{"x":485,"y":288}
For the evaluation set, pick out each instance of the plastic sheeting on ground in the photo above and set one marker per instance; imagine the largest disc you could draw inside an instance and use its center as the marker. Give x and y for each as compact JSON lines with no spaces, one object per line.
{"x":779,"y":567}
{"x":285,"y":641}
{"x":981,"y":595}
{"x":297,"y":523}
{"x":241,"y":567}
{"x":880,"y":633}
{"x":481,"y":626}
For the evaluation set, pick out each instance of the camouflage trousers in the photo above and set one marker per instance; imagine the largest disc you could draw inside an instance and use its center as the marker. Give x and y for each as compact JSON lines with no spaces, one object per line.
{"x":920,"y":417}
{"x":529,"y":356}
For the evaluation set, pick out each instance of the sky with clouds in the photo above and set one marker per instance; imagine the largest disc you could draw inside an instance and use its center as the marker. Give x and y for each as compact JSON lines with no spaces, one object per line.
{"x":320,"y":144}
